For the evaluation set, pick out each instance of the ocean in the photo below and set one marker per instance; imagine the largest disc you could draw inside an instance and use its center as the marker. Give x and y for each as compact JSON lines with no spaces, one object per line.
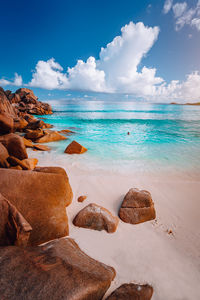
{"x":160,"y":136}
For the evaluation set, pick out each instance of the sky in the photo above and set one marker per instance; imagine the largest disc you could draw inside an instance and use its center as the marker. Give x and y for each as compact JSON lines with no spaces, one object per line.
{"x":136,"y":50}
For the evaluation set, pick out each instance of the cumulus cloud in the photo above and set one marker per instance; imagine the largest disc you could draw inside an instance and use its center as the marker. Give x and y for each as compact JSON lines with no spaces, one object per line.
{"x":179,"y":9}
{"x":188,"y":90}
{"x":167,"y":6}
{"x":16,"y":82}
{"x":117,"y":70}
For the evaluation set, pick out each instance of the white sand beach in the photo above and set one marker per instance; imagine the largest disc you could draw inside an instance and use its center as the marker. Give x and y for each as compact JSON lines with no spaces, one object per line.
{"x":148,"y":252}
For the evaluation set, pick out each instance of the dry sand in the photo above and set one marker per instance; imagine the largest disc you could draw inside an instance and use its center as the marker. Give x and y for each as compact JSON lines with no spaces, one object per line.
{"x":143,"y":253}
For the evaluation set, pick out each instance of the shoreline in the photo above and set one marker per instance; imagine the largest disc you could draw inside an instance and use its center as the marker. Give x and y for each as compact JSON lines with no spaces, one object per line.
{"x":143,"y":253}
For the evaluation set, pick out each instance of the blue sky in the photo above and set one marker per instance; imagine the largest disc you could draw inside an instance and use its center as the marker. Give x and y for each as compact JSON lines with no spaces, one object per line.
{"x":58,"y":33}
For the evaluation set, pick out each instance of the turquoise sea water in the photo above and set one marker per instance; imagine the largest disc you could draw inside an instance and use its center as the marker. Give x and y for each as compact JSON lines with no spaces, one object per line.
{"x":160,"y":135}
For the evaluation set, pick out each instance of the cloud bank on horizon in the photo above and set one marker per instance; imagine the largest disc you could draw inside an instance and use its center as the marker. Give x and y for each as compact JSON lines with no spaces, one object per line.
{"x":117,"y":69}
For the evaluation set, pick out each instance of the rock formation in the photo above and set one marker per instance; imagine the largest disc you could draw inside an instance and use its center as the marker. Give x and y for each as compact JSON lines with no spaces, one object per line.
{"x":96,"y":217}
{"x":137,"y":207}
{"x":132,"y":291}
{"x":75,"y":148}
{"x":56,"y":270}
{"x":41,"y":197}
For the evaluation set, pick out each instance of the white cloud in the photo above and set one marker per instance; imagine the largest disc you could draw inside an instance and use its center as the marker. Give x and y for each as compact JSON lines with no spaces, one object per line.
{"x":179,"y":9}
{"x":118,"y":70}
{"x":167,"y":6}
{"x":183,"y":15}
{"x":196,"y":22}
{"x":188,"y":90}
{"x":16,"y":82}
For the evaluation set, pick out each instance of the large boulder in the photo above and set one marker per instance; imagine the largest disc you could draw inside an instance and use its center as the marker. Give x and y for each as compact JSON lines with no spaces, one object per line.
{"x":3,"y":156}
{"x":20,"y":124}
{"x":6,"y":124}
{"x":96,"y":217}
{"x":14,"y":229}
{"x":5,"y":106}
{"x":132,"y":291}
{"x":33,"y":135}
{"x":15,"y":145}
{"x":75,"y":148}
{"x":137,"y":207}
{"x":57,"y":270}
{"x":51,"y":136}
{"x":41,"y":197}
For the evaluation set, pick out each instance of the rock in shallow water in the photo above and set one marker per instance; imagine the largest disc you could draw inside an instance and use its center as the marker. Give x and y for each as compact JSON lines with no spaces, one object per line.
{"x":57,"y":270}
{"x":75,"y":148}
{"x":132,"y":291}
{"x":96,"y":217}
{"x":137,"y":207}
{"x":41,"y":197}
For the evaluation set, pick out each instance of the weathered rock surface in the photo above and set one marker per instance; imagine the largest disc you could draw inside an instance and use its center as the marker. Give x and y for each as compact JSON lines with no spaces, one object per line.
{"x":51,"y":137}
{"x":14,"y":229}
{"x":3,"y":156}
{"x":5,"y":105}
{"x":6,"y":124}
{"x":75,"y":148}
{"x":20,"y":124}
{"x":96,"y":217}
{"x":66,"y":131}
{"x":25,"y":164}
{"x":137,"y":207}
{"x":132,"y":291}
{"x":57,"y":270}
{"x":15,"y":145}
{"x":41,"y":197}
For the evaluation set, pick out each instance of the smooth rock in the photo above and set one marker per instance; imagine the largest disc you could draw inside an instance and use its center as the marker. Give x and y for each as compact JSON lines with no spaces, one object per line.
{"x":3,"y":156}
{"x":51,"y":137}
{"x":15,"y":145}
{"x":14,"y":229}
{"x":28,"y":143}
{"x":57,"y":270}
{"x":75,"y":148}
{"x":41,"y":197}
{"x":96,"y":217}
{"x":33,"y":135}
{"x":6,"y":124}
{"x":137,"y":207}
{"x":131,"y":291}
{"x":81,"y":198}
{"x":42,"y":147}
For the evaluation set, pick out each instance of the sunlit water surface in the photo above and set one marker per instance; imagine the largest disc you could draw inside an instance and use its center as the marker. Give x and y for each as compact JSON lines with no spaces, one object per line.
{"x":161,"y":136}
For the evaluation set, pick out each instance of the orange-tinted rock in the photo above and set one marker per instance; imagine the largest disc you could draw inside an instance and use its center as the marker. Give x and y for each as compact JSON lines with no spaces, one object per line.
{"x":20,"y":124}
{"x":33,"y":135}
{"x":66,"y":131}
{"x":15,"y":162}
{"x":42,"y":147}
{"x":28,"y":143}
{"x":5,"y":105}
{"x":81,"y":198}
{"x":75,"y":148}
{"x":15,"y":145}
{"x":132,"y":291}
{"x":41,"y":197}
{"x":57,"y":270}
{"x":14,"y":229}
{"x":16,"y":168}
{"x":31,"y":163}
{"x":137,"y":207}
{"x":51,"y":137}
{"x":3,"y":156}
{"x":26,"y":93}
{"x":36,"y":124}
{"x":96,"y":217}
{"x":6,"y":124}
